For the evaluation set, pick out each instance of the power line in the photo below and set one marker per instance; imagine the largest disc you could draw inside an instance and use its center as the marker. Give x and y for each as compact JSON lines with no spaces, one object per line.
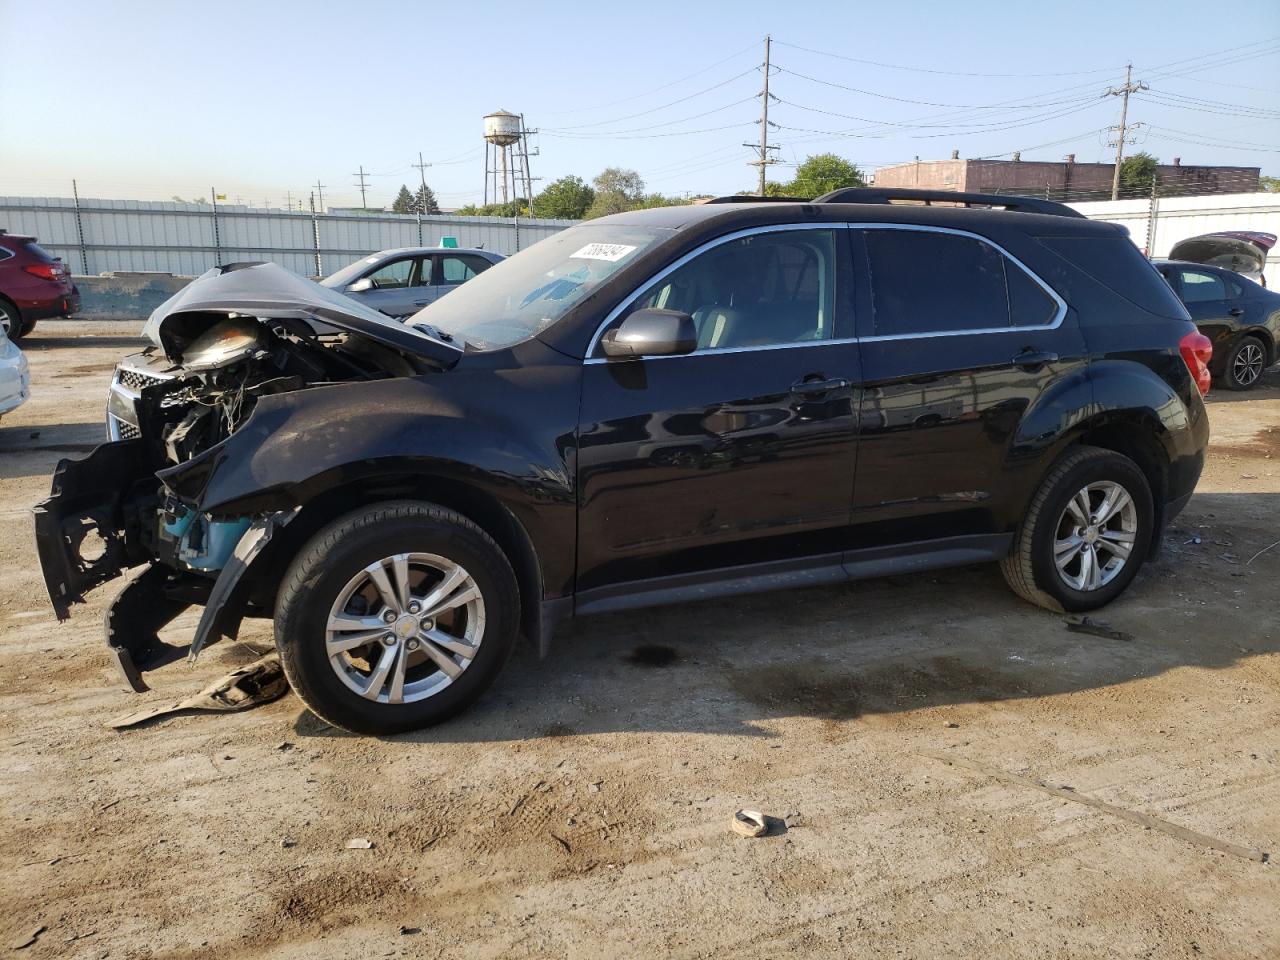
{"x":665,"y":86}
{"x":642,"y":113}
{"x":948,"y":73}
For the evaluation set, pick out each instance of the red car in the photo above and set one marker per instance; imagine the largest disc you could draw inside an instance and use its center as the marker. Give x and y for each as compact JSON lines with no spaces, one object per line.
{"x":33,"y":285}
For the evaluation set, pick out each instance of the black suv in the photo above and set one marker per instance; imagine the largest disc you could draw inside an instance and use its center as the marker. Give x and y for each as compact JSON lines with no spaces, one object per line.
{"x":656,"y":406}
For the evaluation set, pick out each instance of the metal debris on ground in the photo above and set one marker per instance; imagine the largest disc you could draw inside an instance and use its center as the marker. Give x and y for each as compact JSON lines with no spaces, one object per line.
{"x":1098,"y":628}
{"x":29,"y":940}
{"x":749,"y":823}
{"x":244,"y":688}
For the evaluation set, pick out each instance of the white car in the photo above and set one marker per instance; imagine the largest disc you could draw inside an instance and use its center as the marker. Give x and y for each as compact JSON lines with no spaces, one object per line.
{"x":15,"y":377}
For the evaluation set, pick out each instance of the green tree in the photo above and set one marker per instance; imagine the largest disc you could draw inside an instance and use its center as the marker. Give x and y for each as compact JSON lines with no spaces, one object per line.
{"x":513,"y":208}
{"x":565,"y":199}
{"x":821,"y":174}
{"x":617,"y":189}
{"x":424,"y":201}
{"x":1269,"y":184}
{"x":1137,"y":174}
{"x":403,"y":203}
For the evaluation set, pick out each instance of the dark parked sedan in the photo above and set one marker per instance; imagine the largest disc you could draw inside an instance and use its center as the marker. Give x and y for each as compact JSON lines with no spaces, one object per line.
{"x":1239,"y":316}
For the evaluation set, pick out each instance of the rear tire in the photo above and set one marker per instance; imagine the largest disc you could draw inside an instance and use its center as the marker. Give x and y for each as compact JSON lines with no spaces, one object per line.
{"x":355,"y":617}
{"x":1063,"y":562}
{"x":11,"y":321}
{"x":1242,"y":369}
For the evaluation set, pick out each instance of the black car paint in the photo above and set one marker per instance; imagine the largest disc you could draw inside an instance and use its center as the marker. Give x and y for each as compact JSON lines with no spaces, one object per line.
{"x":623,"y":482}
{"x":1248,"y":310}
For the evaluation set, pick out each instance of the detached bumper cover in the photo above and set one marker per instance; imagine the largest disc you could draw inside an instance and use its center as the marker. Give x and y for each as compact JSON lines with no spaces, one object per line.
{"x":80,"y":528}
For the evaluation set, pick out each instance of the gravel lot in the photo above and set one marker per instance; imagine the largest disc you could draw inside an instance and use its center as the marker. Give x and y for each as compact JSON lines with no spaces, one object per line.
{"x":582,"y":809}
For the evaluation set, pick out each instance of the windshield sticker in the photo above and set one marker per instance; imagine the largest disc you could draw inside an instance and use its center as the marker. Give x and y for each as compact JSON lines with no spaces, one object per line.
{"x":613,"y":252}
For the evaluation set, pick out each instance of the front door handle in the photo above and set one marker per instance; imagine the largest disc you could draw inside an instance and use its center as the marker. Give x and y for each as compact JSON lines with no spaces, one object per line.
{"x":1236,"y":312}
{"x":1029,"y":359}
{"x":809,"y":388}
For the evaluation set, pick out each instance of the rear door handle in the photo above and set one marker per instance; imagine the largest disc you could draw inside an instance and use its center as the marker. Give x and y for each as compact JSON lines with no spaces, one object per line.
{"x":1034,"y":358}
{"x":809,"y":388}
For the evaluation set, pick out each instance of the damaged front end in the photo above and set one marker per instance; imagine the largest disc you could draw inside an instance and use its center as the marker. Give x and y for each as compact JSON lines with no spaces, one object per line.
{"x":228,"y":340}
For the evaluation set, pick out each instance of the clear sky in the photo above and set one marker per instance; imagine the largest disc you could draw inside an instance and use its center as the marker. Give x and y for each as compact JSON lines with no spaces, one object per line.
{"x":149,"y":100}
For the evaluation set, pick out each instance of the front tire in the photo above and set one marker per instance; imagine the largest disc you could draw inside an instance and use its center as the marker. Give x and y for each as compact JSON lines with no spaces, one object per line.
{"x":1242,"y":369}
{"x":1085,"y":535}
{"x":396,"y":617}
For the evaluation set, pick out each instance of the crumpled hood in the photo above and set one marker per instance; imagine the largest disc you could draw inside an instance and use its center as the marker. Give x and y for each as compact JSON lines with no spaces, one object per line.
{"x":1241,"y":251}
{"x":270,"y":292}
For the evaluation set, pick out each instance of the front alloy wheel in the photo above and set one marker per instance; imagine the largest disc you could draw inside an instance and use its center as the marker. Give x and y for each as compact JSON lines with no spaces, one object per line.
{"x":396,"y":616}
{"x":405,"y":627}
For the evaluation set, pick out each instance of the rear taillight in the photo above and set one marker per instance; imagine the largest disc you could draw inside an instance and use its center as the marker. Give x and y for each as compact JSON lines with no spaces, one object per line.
{"x":45,"y":271}
{"x":1197,"y":350}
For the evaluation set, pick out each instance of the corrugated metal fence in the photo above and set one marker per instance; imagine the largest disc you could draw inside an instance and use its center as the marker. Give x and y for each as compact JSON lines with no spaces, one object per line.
{"x":95,"y":236}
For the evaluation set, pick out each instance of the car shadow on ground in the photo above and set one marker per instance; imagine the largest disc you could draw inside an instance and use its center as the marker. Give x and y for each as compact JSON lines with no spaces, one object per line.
{"x":37,"y":342}
{"x":1268,"y":386}
{"x":879,"y":646}
{"x":35,"y":443}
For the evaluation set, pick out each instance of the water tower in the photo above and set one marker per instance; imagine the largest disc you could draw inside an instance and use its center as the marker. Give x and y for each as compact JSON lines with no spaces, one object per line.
{"x":506,"y":158}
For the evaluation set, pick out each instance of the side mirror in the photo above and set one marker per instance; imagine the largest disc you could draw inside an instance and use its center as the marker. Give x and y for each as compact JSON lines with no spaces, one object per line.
{"x":361,"y":285}
{"x":652,"y":333}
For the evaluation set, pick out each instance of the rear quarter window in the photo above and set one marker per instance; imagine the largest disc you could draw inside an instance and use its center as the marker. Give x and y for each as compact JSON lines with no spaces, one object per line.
{"x":1120,"y":266}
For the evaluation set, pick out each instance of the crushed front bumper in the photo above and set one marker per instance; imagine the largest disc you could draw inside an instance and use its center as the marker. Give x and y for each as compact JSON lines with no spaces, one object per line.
{"x":91,"y":530}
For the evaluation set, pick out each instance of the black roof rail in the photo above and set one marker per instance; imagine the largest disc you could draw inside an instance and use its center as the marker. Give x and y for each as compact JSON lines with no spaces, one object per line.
{"x":928,"y":197}
{"x":751,"y":198}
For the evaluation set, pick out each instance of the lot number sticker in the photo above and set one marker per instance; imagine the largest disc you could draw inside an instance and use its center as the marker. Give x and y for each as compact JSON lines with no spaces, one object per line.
{"x":613,"y":252}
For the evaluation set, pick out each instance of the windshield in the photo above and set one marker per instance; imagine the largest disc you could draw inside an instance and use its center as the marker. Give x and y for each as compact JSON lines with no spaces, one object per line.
{"x":348,"y":273}
{"x":525,"y":294}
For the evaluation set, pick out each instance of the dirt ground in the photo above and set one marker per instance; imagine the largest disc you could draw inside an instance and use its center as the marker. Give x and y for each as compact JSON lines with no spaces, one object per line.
{"x":582,"y":808}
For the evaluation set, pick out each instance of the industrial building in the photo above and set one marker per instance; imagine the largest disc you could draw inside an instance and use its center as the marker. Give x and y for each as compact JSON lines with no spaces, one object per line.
{"x":1065,"y":180}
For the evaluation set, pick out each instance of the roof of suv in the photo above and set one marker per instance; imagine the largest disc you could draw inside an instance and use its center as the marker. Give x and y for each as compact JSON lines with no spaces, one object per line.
{"x":749,"y":214}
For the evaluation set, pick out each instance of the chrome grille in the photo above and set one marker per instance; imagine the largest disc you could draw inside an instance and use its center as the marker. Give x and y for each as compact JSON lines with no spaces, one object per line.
{"x":126,"y":430}
{"x":135,"y":380}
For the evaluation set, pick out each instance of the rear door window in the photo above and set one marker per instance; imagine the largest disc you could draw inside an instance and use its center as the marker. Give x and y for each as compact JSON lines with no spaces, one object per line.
{"x":928,"y":282}
{"x":459,"y":268}
{"x":1199,"y":286}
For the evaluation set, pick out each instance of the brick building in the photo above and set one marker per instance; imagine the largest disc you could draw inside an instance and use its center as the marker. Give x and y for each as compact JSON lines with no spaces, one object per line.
{"x":1059,"y":180}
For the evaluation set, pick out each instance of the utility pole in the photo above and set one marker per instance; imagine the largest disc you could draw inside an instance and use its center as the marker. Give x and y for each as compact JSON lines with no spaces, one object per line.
{"x":361,"y":184}
{"x":1122,"y":130}
{"x":288,"y":200}
{"x":422,"y":173}
{"x":764,"y":160}
{"x":320,"y":194}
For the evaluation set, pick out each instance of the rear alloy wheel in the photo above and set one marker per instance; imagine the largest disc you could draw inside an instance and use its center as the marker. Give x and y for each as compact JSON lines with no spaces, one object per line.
{"x":395,"y":617}
{"x":10,"y":321}
{"x":1085,"y":535}
{"x":1095,"y":536}
{"x":1244,"y":364}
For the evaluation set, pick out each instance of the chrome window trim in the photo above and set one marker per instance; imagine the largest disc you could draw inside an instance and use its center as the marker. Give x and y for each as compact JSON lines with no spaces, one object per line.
{"x":6,"y":253}
{"x":677,"y":264}
{"x":830,"y":225}
{"x":923,"y":228}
